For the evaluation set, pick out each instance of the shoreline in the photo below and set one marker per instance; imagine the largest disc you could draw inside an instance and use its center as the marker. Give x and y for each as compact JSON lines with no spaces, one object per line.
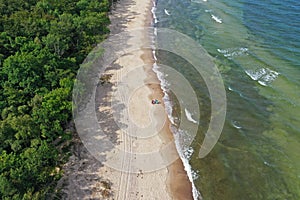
{"x":178,"y":185}
{"x":132,"y":123}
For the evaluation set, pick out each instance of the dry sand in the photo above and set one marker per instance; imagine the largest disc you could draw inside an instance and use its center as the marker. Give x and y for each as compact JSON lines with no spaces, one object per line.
{"x":143,"y":128}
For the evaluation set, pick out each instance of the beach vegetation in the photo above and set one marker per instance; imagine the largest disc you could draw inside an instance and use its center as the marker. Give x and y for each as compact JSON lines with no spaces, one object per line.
{"x":43,"y":42}
{"x":105,"y":79}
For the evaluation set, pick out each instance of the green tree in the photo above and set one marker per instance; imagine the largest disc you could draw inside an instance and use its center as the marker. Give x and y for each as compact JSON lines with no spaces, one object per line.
{"x":43,"y":42}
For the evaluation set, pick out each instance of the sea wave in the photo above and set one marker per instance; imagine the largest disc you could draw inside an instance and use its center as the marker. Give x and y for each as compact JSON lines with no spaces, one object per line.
{"x":236,"y":124}
{"x":153,"y":9}
{"x":230,"y":88}
{"x":189,"y":116}
{"x":164,"y":86}
{"x":188,"y":153}
{"x":184,"y":155}
{"x":167,"y":12}
{"x":185,"y":160}
{"x":217,"y":19}
{"x":233,"y":52}
{"x":198,"y":1}
{"x":264,"y":76}
{"x":195,"y":174}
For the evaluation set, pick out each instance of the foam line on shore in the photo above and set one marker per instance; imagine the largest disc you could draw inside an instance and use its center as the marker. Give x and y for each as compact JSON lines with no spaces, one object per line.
{"x":168,"y":107}
{"x":169,"y":110}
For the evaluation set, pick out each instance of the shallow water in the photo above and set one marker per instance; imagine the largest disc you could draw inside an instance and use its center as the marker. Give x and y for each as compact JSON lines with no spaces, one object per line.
{"x":256,"y":47}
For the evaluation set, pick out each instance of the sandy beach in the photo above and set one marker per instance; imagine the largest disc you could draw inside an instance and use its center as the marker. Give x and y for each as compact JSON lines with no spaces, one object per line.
{"x":134,"y":124}
{"x":170,"y":182}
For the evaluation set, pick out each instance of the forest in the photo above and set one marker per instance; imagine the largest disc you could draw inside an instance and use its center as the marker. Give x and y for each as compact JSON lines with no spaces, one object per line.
{"x":43,"y":43}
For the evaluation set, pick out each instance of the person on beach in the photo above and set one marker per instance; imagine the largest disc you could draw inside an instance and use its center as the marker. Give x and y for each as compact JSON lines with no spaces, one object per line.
{"x":155,"y":101}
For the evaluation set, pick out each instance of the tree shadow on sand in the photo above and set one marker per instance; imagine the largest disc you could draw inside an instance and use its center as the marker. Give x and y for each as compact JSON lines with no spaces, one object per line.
{"x":108,"y":118}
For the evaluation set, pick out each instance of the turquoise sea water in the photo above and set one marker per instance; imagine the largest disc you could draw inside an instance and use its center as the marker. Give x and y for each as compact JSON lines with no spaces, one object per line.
{"x":256,"y":46}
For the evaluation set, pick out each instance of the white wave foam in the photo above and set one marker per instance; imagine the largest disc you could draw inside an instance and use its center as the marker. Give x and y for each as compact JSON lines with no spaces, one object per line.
{"x":167,"y":12}
{"x":188,"y":153}
{"x":233,"y":52}
{"x":153,"y":9}
{"x":269,"y":164}
{"x":154,"y":3}
{"x":262,"y":83}
{"x":195,"y":174}
{"x":198,"y":1}
{"x":186,"y":164}
{"x":189,"y":116}
{"x":236,"y":125}
{"x":217,"y":19}
{"x":184,"y":155}
{"x":221,"y":51}
{"x":168,"y":106}
{"x":155,"y":31}
{"x":256,"y":74}
{"x":264,"y":76}
{"x":270,"y":76}
{"x":164,"y":86}
{"x":154,"y":56}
